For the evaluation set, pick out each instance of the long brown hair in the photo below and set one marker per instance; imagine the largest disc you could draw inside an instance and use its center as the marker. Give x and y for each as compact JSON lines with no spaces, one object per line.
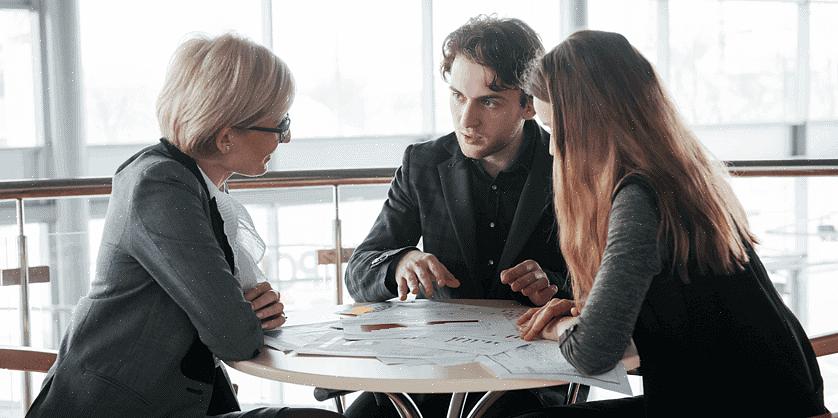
{"x":611,"y":119}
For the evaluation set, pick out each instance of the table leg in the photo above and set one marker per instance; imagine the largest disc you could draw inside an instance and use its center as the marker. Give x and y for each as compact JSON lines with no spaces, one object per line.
{"x":404,"y":405}
{"x":455,"y":408}
{"x":572,"y":393}
{"x":484,"y":403}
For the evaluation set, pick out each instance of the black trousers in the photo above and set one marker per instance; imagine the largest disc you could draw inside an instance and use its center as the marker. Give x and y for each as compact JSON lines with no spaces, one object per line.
{"x":377,"y":405}
{"x":622,"y":407}
{"x":281,"y":413}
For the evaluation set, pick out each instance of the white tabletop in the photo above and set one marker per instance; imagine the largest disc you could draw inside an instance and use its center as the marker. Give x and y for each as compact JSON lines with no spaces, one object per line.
{"x":369,"y":374}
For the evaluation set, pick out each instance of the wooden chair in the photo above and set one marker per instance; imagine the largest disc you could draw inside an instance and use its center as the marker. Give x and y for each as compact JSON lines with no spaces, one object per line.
{"x":26,"y":359}
{"x":824,"y":345}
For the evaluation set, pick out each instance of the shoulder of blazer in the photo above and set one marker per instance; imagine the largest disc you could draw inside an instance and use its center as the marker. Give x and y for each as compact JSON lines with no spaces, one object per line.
{"x":430,"y":153}
{"x":164,"y":161}
{"x":163,"y":168}
{"x":174,"y":163}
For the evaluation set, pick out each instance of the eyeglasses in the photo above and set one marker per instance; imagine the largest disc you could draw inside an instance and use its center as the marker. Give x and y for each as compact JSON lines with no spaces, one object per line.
{"x":283,"y":129}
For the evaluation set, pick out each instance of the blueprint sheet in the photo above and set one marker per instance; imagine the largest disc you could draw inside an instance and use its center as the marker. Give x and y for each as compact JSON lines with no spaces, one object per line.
{"x":440,"y":333}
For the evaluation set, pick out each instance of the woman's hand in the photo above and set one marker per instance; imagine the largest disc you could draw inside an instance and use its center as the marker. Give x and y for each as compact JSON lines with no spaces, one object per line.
{"x":265,"y":302}
{"x":545,"y":321}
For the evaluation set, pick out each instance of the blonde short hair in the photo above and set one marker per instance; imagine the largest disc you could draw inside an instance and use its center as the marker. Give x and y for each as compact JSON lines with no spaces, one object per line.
{"x":213,"y":83}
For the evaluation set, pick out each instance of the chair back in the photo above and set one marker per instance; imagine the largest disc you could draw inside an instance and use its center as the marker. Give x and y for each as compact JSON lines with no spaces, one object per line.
{"x":26,"y":359}
{"x":825,"y":344}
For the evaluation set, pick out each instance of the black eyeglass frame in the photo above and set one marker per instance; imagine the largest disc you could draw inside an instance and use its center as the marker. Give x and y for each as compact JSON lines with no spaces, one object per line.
{"x":282,"y":129}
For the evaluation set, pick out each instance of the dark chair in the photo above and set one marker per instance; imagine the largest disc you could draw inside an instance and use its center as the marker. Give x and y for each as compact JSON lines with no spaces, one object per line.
{"x":322,"y":394}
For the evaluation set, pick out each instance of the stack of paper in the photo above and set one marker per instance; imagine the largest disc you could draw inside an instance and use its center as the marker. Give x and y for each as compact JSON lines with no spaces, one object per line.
{"x":440,"y":333}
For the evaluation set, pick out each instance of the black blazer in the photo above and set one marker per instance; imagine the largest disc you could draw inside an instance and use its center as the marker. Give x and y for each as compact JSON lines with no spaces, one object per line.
{"x":430,"y":198}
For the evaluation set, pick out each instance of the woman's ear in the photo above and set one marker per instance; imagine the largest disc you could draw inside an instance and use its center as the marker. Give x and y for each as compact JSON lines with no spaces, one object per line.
{"x":224,"y":140}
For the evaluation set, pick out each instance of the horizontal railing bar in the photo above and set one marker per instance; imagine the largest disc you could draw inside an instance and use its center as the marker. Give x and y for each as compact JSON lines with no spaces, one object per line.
{"x":783,"y":168}
{"x":16,"y":4}
{"x":813,"y":171}
{"x":93,"y":186}
{"x":787,"y":163}
{"x":341,"y":177}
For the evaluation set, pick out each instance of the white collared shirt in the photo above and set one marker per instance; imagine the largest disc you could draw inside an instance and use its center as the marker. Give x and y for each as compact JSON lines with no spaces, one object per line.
{"x":248,"y":247}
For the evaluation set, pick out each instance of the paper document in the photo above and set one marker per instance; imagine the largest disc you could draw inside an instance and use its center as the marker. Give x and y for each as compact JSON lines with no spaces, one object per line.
{"x":426,"y":332}
{"x":431,"y":319}
{"x":543,"y":360}
{"x":441,"y":361}
{"x":336,"y":345}
{"x":473,"y":344}
{"x":296,"y":337}
{"x":365,"y":308}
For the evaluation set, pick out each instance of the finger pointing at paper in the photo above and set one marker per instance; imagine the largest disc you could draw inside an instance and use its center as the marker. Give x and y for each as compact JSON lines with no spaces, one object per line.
{"x":418,"y":269}
{"x":530,"y":280}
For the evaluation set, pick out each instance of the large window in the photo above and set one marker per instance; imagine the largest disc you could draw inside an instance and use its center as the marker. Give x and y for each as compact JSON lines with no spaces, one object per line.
{"x":358,"y":65}
{"x":822,"y":130}
{"x":125,"y":50}
{"x":739,"y":81}
{"x":17,"y":80}
{"x":823,"y":75}
{"x":368,"y":69}
{"x":726,"y":66}
{"x":636,"y":20}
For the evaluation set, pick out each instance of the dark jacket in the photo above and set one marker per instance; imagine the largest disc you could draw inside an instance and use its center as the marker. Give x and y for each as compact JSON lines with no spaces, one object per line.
{"x":724,"y":336}
{"x":430,"y":198}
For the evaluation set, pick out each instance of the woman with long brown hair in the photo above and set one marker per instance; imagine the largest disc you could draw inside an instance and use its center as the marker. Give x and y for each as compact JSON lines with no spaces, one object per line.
{"x":659,"y":250}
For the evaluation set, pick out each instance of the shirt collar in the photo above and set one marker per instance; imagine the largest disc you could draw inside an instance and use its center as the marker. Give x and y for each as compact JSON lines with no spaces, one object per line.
{"x":523,"y":160}
{"x":211,"y":187}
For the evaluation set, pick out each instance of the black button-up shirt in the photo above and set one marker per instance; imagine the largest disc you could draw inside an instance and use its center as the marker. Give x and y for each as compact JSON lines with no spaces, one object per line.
{"x":495,"y":201}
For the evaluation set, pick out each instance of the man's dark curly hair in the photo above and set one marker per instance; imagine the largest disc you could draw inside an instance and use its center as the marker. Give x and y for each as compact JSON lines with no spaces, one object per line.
{"x":507,"y":46}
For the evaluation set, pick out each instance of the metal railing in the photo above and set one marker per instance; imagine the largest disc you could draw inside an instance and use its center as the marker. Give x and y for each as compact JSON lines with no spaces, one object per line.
{"x":53,"y":188}
{"x":783,"y":168}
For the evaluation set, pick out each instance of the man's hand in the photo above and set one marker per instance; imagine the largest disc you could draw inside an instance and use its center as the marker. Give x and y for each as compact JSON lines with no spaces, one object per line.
{"x":265,"y":302}
{"x":416,"y":269}
{"x":547,"y":321}
{"x":531,"y":281}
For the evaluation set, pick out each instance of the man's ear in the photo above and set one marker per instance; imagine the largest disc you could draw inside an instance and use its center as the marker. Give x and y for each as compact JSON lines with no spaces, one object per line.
{"x":224,"y":140}
{"x":529,"y":109}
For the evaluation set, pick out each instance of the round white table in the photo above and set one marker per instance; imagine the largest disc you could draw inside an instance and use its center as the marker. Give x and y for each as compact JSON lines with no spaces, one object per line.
{"x":371,"y":375}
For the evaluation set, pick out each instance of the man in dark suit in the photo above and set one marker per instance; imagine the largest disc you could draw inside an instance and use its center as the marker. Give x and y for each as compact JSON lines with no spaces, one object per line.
{"x":479,"y":197}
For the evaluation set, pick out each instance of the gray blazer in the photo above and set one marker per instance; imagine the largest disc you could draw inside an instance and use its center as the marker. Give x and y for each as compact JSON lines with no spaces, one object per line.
{"x":163,"y":302}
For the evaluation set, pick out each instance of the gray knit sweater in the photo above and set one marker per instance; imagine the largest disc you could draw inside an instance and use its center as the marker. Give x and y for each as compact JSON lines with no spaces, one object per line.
{"x":631,"y":260}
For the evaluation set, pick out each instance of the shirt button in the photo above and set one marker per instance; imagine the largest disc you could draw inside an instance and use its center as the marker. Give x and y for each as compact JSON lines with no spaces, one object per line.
{"x":491,"y":224}
{"x":494,"y":187}
{"x":491,"y":262}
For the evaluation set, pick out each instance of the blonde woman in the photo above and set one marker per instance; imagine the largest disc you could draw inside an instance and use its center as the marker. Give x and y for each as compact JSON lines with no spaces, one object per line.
{"x":177,"y":286}
{"x":659,"y":250}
